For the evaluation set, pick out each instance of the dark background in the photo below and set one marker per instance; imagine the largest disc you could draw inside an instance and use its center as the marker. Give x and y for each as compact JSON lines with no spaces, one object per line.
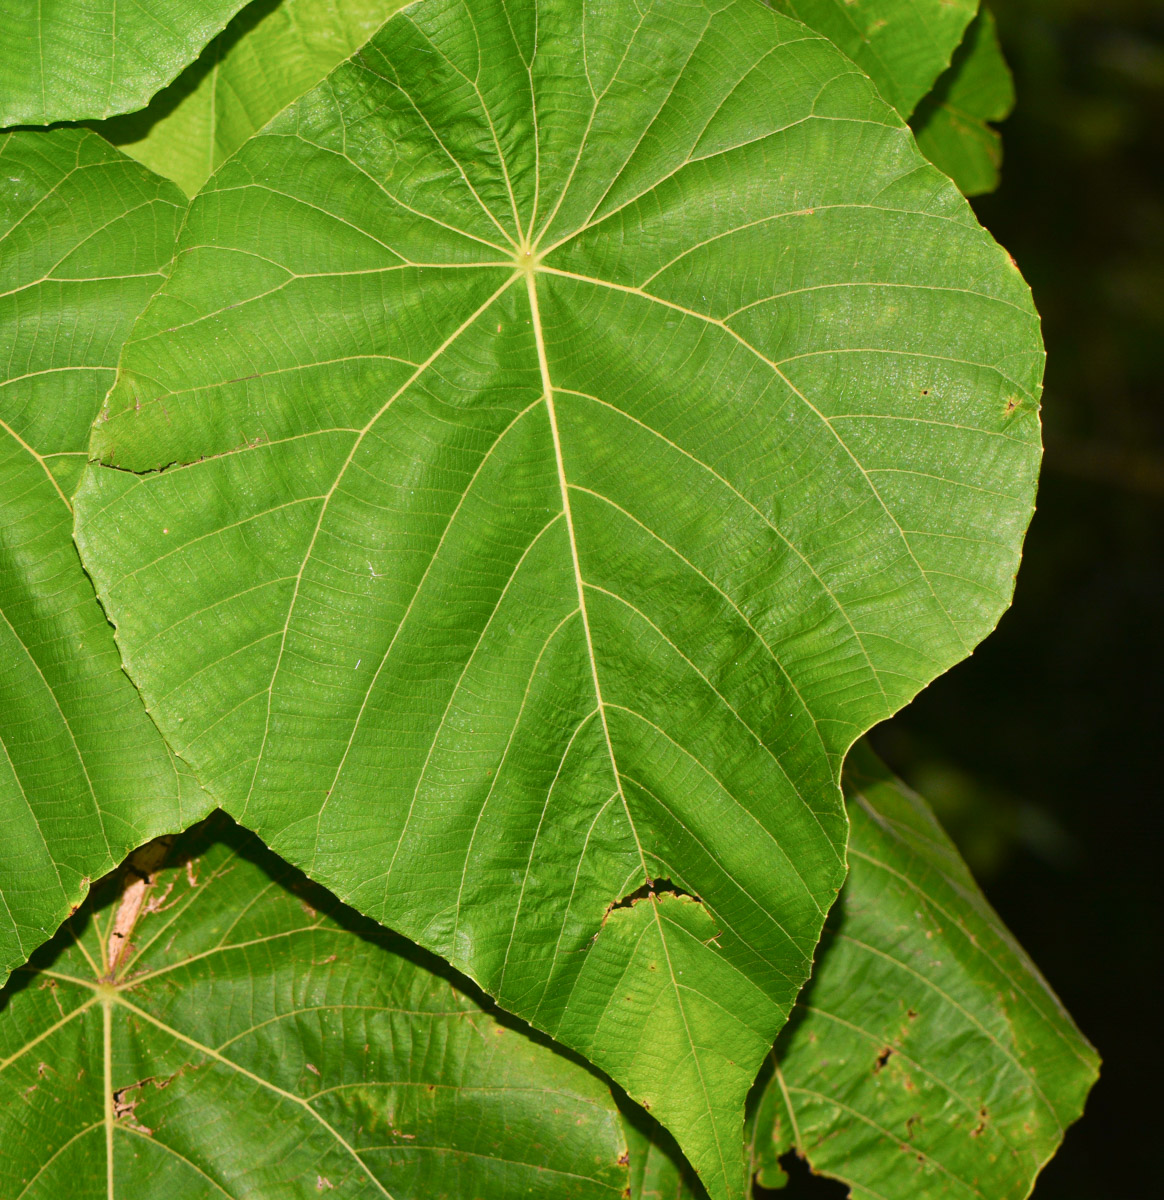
{"x":1040,"y":752}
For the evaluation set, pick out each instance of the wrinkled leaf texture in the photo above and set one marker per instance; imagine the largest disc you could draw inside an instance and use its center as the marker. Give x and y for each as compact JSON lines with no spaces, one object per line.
{"x":927,"y":1057}
{"x":270,"y":54}
{"x":247,"y":1037}
{"x":86,"y":236}
{"x":65,"y":61}
{"x":580,"y":424}
{"x":902,"y":45}
{"x":952,"y":124}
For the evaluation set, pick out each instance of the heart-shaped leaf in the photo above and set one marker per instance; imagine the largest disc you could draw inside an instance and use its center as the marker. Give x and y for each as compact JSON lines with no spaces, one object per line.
{"x":86,"y":235}
{"x":270,"y":54}
{"x":222,"y":1028}
{"x":596,"y":418}
{"x":65,"y":61}
{"x":902,"y":45}
{"x":952,"y":124}
{"x":928,"y":1057}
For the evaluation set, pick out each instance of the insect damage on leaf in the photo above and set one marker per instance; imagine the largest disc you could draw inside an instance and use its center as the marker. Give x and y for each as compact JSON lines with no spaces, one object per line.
{"x":655,"y":887}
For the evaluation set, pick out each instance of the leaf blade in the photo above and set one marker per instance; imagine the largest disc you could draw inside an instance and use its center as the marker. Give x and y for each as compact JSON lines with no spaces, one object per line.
{"x":511,"y":578}
{"x":954,"y":124}
{"x":86,"y":237}
{"x":902,"y":45}
{"x":267,"y":56}
{"x":69,"y":64}
{"x":259,"y":1038}
{"x":953,"y":1051}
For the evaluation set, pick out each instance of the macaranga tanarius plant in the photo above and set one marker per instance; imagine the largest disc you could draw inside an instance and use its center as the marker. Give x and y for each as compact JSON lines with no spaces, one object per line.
{"x":548,"y":440}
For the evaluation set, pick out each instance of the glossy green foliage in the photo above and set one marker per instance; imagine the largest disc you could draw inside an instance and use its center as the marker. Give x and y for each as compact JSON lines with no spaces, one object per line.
{"x":952,"y":124}
{"x":86,"y":236}
{"x":64,"y":60}
{"x":269,"y":55}
{"x":927,"y":1058}
{"x":230,"y":1030}
{"x":902,"y":45}
{"x":585,"y":427}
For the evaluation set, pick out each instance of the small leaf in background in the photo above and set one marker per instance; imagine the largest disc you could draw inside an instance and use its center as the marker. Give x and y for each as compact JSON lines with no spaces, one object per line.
{"x":86,"y":236}
{"x":927,"y":1057}
{"x":902,"y":45}
{"x":269,"y":55}
{"x":578,"y":440}
{"x":65,"y":61}
{"x":952,"y":124}
{"x":221,"y":1027}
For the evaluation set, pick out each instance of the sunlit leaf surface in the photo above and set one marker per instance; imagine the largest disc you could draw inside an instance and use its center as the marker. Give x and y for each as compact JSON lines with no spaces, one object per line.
{"x":579,"y":426}
{"x":927,"y":1058}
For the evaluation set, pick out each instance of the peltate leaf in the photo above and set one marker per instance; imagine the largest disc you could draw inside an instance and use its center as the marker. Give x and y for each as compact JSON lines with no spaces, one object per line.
{"x":593,"y":420}
{"x":270,"y":54}
{"x":222,"y":1028}
{"x":65,"y":61}
{"x":927,"y":1057}
{"x":85,"y":237}
{"x":952,"y":124}
{"x":902,"y":45}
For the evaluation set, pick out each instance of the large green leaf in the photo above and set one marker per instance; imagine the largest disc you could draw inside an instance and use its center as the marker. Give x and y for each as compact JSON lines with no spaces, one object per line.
{"x":227,"y":1029}
{"x":270,"y":54}
{"x":64,"y":60}
{"x":952,"y":124}
{"x":928,"y":1057}
{"x":595,"y":420}
{"x":902,"y":45}
{"x":86,"y":236}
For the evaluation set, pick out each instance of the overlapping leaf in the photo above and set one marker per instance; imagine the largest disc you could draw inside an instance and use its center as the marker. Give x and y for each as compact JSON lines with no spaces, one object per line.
{"x":270,"y":54}
{"x":86,"y":236}
{"x":952,"y":124}
{"x":588,"y":420}
{"x":64,"y":61}
{"x":229,"y":1030}
{"x":657,"y":1169}
{"x":902,"y":45}
{"x":927,"y":1058}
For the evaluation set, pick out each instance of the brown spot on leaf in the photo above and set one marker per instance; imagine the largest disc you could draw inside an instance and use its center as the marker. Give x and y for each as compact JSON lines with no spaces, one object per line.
{"x":624,"y":1159}
{"x":882,"y":1059}
{"x":123,"y":1106}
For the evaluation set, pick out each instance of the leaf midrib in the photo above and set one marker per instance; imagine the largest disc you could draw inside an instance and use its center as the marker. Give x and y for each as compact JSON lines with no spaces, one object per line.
{"x":548,"y":398}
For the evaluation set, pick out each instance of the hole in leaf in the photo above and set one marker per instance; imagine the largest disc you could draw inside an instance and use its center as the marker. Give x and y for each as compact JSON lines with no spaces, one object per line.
{"x":654,"y":887}
{"x":803,"y":1183}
